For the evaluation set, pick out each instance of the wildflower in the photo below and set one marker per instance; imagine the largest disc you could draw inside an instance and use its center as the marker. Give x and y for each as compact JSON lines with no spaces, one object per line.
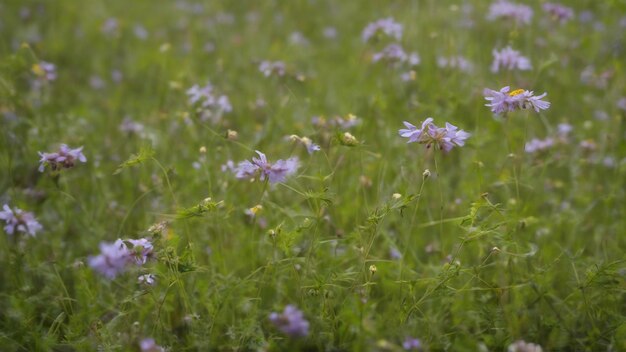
{"x":130,"y":126}
{"x":411,"y":343}
{"x":386,"y":26}
{"x":521,"y":14}
{"x":307,"y":142}
{"x":330,"y":32}
{"x":622,"y":103}
{"x":64,"y":158}
{"x":396,"y":196}
{"x":455,"y":62}
{"x":45,"y":70}
{"x":558,"y":12}
{"x":141,"y":251}
{"x":394,"y":253}
{"x":504,"y":101}
{"x":523,"y":346}
{"x":426,"y":173}
{"x":537,"y":145}
{"x":18,"y":220}
{"x":147,"y":279}
{"x":348,"y":139}
{"x":251,"y":212}
{"x":269,"y":68}
{"x":207,"y":102}
{"x":509,"y":59}
{"x":291,"y":322}
{"x":229,"y":166}
{"x":276,"y":172}
{"x":149,"y":345}
{"x":373,"y":269}
{"x":445,"y":138}
{"x":391,"y":53}
{"x":112,"y":259}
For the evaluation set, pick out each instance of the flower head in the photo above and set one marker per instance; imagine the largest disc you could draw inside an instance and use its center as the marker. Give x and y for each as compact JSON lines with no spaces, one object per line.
{"x":386,"y":26}
{"x":455,"y":62}
{"x":558,"y":12}
{"x":18,"y":220}
{"x":509,"y":59}
{"x":306,"y":142}
{"x":445,"y":138}
{"x":65,"y":158}
{"x":112,"y":259}
{"x":147,"y":279}
{"x":411,"y":343}
{"x":503,"y":101}
{"x":521,"y":14}
{"x":207,"y":102}
{"x":274,"y":173}
{"x":45,"y":70}
{"x":269,"y":68}
{"x":291,"y":322}
{"x":149,"y":345}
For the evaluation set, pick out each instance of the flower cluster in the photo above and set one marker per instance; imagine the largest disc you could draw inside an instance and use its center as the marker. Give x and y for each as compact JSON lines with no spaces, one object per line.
{"x":504,"y":101}
{"x":523,"y":346}
{"x":538,"y":145}
{"x":387,"y":26}
{"x":509,"y":59}
{"x":45,"y":70}
{"x":395,"y":53}
{"x":18,"y":220}
{"x":149,"y":345}
{"x":444,"y":138}
{"x":306,"y":142}
{"x":269,"y":68}
{"x":558,"y":12}
{"x":274,"y":173}
{"x":208,"y":103}
{"x":65,"y":158}
{"x":291,"y":322}
{"x":411,"y":343}
{"x":114,"y":258}
{"x":455,"y":62}
{"x":521,"y":14}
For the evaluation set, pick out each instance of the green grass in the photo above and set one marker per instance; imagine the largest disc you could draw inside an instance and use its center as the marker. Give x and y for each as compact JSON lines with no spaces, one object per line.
{"x":497,"y":245}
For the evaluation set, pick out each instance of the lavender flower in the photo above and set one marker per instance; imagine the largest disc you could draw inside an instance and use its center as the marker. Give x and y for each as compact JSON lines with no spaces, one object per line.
{"x":112,"y":259}
{"x":208,"y":102}
{"x":18,"y":220}
{"x":291,"y":322}
{"x":115,"y":257}
{"x":445,"y":138}
{"x":386,"y":26}
{"x":391,"y":53}
{"x":45,"y":70}
{"x":509,"y":59}
{"x":622,"y":103}
{"x":538,"y":145}
{"x":269,"y":68}
{"x":411,"y":343}
{"x":149,"y":345}
{"x":64,"y":158}
{"x":130,"y":126}
{"x":274,"y":173}
{"x":455,"y":62}
{"x":306,"y":142}
{"x":521,"y":14}
{"x":558,"y":12}
{"x":523,"y":346}
{"x":504,"y":101}
{"x":147,"y":279}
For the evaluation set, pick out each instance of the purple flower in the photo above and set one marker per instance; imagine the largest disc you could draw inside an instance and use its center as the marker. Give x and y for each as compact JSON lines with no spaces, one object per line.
{"x":208,"y":102}
{"x":521,"y":14}
{"x":455,"y":62}
{"x":306,"y":142}
{"x":558,"y":12}
{"x":509,"y":59}
{"x":538,"y":145}
{"x":149,"y":345}
{"x":64,"y":158}
{"x":18,"y":220}
{"x":445,"y":138}
{"x":274,"y":173}
{"x":386,"y":26}
{"x":291,"y":322}
{"x":269,"y":68}
{"x":504,"y":101}
{"x":392,"y":53}
{"x":130,"y":126}
{"x":147,"y":279}
{"x":523,"y":346}
{"x":411,"y":343}
{"x":112,"y":259}
{"x":622,"y":103}
{"x":45,"y":70}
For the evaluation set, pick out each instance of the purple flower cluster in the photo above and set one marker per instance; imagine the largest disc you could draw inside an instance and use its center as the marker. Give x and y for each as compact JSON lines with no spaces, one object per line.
{"x":306,"y":142}
{"x":521,"y":14}
{"x":269,"y":68}
{"x":504,"y":101}
{"x":65,"y":158}
{"x":114,"y":258}
{"x":149,"y":345}
{"x":455,"y":62}
{"x":558,"y":12}
{"x":411,"y":343}
{"x":509,"y":59}
{"x":538,"y":145}
{"x":274,"y":173}
{"x":207,"y":101}
{"x":45,"y":70}
{"x":444,"y":138}
{"x":387,"y":26}
{"x":18,"y":220}
{"x":291,"y":322}
{"x":395,"y":53}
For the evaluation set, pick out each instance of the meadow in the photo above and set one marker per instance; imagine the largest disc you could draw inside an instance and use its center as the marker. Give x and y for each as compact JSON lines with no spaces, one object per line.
{"x":263,"y":176}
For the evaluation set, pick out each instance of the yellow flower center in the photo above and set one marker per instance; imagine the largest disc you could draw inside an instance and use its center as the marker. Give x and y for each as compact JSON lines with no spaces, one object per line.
{"x":516,"y":92}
